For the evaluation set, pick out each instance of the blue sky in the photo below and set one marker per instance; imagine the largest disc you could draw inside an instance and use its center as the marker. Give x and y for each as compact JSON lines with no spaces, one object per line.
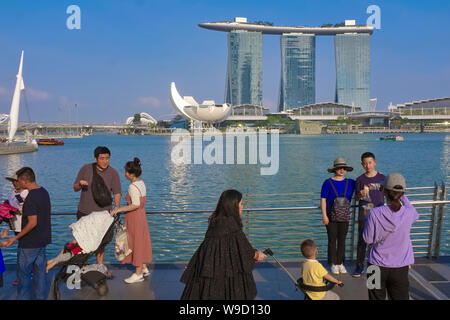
{"x":128,"y":51}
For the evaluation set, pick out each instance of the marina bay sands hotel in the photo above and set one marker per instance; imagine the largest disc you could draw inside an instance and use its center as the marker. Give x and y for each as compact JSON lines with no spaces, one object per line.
{"x":298,"y":66}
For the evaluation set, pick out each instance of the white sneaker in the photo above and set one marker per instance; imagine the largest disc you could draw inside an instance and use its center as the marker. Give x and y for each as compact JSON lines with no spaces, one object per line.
{"x":335,"y":269}
{"x":145,"y":272}
{"x":342,"y":269}
{"x":134,"y":278}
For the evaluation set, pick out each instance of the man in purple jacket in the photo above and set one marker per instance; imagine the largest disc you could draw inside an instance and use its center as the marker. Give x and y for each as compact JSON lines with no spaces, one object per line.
{"x":387,"y":231}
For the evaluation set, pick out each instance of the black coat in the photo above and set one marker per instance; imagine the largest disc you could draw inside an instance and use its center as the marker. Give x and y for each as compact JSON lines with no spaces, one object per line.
{"x":221,"y":268}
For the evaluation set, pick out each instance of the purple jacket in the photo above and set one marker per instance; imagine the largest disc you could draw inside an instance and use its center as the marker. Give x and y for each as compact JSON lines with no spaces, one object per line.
{"x":396,"y":250}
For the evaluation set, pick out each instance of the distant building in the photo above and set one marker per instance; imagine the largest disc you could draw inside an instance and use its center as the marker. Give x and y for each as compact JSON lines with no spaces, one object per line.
{"x":352,"y":53}
{"x":248,"y":112}
{"x":297,"y":84}
{"x":208,"y":111}
{"x":298,"y":81}
{"x":244,"y":69}
{"x":373,"y":118}
{"x":322,"y":111}
{"x":145,"y":119}
{"x":438,"y":108}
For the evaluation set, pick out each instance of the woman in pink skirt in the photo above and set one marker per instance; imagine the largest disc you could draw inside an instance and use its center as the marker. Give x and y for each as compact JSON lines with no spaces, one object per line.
{"x":136,"y":223}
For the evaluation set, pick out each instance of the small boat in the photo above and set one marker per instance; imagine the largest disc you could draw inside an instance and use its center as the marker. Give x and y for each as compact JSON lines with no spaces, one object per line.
{"x":392,"y":138}
{"x":50,"y":142}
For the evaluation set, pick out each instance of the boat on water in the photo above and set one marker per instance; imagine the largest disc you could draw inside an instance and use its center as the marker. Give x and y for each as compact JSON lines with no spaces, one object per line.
{"x":392,"y":138}
{"x":50,"y":142}
{"x":11,"y":145}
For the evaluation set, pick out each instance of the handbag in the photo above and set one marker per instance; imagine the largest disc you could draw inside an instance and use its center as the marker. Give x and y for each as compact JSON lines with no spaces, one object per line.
{"x":100,"y":192}
{"x":121,"y":248}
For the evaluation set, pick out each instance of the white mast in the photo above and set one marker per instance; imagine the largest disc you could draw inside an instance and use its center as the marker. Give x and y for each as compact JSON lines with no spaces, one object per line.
{"x":14,"y":113}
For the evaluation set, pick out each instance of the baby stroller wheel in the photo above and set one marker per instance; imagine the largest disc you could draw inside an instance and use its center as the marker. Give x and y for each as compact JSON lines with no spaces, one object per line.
{"x":102,"y":288}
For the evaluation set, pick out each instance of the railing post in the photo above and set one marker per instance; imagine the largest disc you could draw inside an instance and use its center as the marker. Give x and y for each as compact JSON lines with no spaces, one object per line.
{"x":247,"y":202}
{"x":352,"y":230}
{"x":433,"y":222}
{"x":440,"y":221}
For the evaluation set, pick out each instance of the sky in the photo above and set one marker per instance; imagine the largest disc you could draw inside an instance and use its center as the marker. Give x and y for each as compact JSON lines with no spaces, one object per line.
{"x":127,"y":52}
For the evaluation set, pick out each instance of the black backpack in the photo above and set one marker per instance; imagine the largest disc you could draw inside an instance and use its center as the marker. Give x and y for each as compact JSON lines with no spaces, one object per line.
{"x":100,"y":192}
{"x":340,"y":210}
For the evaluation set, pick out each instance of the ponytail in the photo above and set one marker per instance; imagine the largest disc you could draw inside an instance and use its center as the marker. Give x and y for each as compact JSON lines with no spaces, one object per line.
{"x":134,"y":167}
{"x":394,"y":198}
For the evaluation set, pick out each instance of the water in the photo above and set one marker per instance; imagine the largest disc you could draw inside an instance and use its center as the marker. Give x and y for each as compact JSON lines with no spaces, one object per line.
{"x":303,"y":162}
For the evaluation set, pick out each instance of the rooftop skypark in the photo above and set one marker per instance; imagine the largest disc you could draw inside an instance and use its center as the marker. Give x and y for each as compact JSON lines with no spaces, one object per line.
{"x":268,"y":28}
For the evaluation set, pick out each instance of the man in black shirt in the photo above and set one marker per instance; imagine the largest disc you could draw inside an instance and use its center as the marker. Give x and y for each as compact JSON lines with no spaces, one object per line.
{"x":36,"y":234}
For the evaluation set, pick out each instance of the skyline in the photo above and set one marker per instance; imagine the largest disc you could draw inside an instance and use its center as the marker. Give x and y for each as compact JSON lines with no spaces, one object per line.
{"x":126,"y":54}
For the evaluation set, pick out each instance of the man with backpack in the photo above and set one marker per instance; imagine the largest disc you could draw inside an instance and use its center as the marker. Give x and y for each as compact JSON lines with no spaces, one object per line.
{"x":99,"y":183}
{"x":336,"y":196}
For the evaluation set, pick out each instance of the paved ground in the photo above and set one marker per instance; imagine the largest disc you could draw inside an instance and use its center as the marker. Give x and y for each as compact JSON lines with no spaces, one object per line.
{"x":429,"y":281}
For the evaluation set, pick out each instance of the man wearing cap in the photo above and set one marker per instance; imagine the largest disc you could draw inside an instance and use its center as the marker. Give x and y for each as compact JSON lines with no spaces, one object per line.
{"x":16,"y":200}
{"x":387,"y":232}
{"x":336,"y":186}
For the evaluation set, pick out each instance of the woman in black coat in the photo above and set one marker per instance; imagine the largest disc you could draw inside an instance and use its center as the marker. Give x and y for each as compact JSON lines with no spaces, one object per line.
{"x":221,"y":268}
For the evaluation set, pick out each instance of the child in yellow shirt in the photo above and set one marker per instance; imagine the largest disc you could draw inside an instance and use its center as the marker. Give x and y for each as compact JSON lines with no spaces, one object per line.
{"x":313,"y":273}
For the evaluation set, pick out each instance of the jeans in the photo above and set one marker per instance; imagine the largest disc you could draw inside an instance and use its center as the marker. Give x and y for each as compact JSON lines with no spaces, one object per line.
{"x":362,"y":246}
{"x":27,"y":260}
{"x":337,"y":232}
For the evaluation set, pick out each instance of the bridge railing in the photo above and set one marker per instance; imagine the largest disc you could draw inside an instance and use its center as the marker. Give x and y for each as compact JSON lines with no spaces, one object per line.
{"x":279,"y":221}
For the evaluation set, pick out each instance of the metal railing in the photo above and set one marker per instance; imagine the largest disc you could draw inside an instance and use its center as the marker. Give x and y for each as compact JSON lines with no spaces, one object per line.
{"x":269,"y":222}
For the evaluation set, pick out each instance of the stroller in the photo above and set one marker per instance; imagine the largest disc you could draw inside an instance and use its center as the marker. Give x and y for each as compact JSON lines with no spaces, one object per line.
{"x":299,"y":283}
{"x":93,"y":278}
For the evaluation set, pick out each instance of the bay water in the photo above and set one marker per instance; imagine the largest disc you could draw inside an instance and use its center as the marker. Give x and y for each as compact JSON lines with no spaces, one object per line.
{"x":303,"y":162}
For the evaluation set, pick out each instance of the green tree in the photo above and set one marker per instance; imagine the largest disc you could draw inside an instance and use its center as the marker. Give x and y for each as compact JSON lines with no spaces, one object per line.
{"x":137,"y":118}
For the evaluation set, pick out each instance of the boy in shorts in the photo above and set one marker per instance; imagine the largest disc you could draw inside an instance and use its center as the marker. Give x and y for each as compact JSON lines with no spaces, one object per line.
{"x":313,"y":273}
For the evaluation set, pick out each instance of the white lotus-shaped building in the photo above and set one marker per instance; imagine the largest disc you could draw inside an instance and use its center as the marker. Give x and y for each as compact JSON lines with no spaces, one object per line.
{"x":208,"y":111}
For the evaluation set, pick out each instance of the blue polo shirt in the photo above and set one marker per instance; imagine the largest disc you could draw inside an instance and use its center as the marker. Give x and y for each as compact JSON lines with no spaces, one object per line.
{"x":329,"y":194}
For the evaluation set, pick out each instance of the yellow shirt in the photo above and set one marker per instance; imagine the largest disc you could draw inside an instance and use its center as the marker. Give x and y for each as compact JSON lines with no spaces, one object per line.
{"x":313,"y":273}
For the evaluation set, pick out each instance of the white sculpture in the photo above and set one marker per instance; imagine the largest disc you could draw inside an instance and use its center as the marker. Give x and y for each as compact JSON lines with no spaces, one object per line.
{"x":188,"y":108}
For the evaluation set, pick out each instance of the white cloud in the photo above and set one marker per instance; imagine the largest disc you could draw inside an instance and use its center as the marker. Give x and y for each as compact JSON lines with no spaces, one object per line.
{"x":3,"y":92}
{"x":150,"y":101}
{"x":34,"y":94}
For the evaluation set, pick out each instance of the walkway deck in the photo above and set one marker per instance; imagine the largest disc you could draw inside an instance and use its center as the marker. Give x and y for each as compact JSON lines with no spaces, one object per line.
{"x":429,"y":280}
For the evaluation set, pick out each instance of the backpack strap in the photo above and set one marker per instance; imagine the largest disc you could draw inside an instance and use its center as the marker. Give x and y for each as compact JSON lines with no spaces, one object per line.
{"x":332,"y":185}
{"x":137,"y":188}
{"x":335,"y":191}
{"x":345,"y":192}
